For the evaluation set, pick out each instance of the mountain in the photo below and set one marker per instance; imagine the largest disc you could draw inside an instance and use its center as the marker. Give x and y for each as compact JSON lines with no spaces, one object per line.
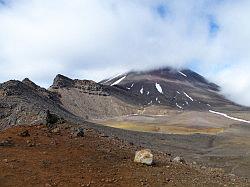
{"x":149,"y":92}
{"x":182,"y":90}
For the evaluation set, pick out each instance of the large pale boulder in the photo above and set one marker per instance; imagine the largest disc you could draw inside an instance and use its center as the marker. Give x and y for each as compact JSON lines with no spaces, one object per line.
{"x":144,"y":156}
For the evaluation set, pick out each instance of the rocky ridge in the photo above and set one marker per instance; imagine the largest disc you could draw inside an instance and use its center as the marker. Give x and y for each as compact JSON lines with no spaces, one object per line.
{"x":25,"y":103}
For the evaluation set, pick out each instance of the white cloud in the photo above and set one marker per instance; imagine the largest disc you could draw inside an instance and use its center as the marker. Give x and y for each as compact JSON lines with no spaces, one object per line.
{"x":235,"y":83}
{"x":94,"y":39}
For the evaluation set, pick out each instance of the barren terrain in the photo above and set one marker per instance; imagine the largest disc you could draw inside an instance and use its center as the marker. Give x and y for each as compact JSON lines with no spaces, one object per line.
{"x":55,"y":158}
{"x":223,"y":142}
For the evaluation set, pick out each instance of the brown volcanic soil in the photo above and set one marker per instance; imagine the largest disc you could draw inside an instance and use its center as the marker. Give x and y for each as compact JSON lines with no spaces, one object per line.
{"x":57,"y":159}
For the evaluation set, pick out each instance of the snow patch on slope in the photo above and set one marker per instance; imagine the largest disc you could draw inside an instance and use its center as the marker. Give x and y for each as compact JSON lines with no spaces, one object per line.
{"x":150,"y":102}
{"x":182,"y":74}
{"x":141,"y":90}
{"x":119,"y":80}
{"x":178,"y":106}
{"x":130,"y":86}
{"x":229,"y":117}
{"x":188,"y":96}
{"x":158,"y":87}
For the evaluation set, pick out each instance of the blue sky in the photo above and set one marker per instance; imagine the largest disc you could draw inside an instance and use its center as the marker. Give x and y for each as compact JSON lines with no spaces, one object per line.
{"x":94,"y":39}
{"x":162,"y":10}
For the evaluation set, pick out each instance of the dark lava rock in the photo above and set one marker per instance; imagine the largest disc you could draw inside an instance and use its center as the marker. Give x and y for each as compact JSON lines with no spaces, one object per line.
{"x":77,"y":132}
{"x":52,"y":119}
{"x":2,"y":115}
{"x":30,"y":143}
{"x":23,"y":103}
{"x":31,"y":84}
{"x":6,"y":143}
{"x":61,"y":81}
{"x":24,"y":133}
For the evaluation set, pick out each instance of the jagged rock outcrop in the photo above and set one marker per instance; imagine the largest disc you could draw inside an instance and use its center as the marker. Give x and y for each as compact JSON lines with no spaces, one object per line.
{"x":86,"y":86}
{"x":89,"y":99}
{"x":62,"y":81}
{"x":25,"y":103}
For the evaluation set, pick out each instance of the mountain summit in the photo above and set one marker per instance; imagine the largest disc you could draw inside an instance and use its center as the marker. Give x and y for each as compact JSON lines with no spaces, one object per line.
{"x":180,"y":89}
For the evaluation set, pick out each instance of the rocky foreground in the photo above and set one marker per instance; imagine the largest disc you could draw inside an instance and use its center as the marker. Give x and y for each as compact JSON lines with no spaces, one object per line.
{"x":71,"y":156}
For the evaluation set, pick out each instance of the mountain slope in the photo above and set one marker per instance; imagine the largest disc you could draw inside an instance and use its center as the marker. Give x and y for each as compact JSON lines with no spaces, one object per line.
{"x":23,"y":103}
{"x":92,"y":100}
{"x":183,"y":89}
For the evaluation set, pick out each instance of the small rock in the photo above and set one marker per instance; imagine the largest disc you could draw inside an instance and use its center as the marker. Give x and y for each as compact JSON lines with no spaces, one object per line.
{"x":39,"y":122}
{"x":46,"y":163}
{"x":24,"y":133}
{"x":78,"y":132}
{"x":232,"y":175}
{"x":203,"y":167}
{"x":179,"y":159}
{"x":30,"y":143}
{"x":168,"y":180}
{"x":168,"y":154}
{"x":6,"y":143}
{"x":103,"y":135}
{"x":5,"y":160}
{"x":144,"y":156}
{"x":56,"y":130}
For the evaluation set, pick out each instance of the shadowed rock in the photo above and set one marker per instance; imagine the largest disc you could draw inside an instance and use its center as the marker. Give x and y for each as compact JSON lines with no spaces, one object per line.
{"x":61,"y":81}
{"x":24,"y":133}
{"x":6,"y":143}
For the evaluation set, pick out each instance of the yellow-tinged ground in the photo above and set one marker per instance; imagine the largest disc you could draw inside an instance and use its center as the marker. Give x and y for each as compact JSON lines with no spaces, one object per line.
{"x":161,"y":128}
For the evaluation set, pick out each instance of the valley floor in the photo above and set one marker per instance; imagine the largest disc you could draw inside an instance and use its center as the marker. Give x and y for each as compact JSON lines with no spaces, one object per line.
{"x":203,"y":137}
{"x":46,"y":158}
